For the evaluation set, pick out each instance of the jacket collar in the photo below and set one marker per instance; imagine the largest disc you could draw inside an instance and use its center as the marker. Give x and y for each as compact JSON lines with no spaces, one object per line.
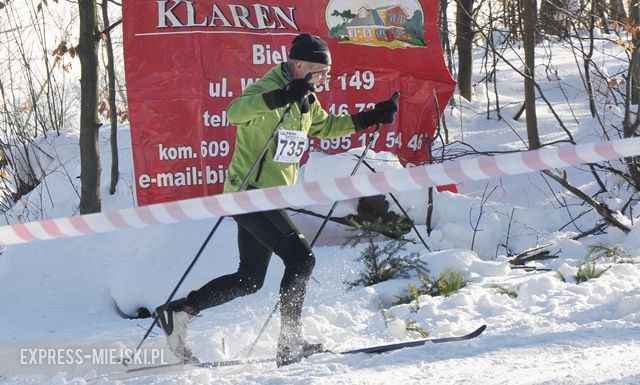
{"x":285,"y":72}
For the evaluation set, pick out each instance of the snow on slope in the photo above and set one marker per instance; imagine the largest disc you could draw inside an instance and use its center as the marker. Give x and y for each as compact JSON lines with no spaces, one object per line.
{"x":543,"y":327}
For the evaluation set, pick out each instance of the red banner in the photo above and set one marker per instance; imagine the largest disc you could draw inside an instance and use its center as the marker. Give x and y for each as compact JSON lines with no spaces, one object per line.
{"x":186,"y":60}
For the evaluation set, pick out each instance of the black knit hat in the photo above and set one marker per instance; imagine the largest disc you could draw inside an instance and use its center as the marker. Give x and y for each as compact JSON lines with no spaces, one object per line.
{"x":310,"y":48}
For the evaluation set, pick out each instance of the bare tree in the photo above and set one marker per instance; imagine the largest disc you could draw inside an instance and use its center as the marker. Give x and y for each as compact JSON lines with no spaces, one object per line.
{"x":553,"y":17}
{"x":617,"y":12}
{"x":443,"y":26}
{"x":634,"y":70}
{"x":90,"y":197}
{"x":529,"y":19}
{"x":113,"y":116}
{"x":599,"y":11}
{"x":464,"y":44}
{"x":510,"y":18}
{"x":631,"y":128}
{"x":588,"y":61}
{"x":581,"y":24}
{"x":36,"y":92}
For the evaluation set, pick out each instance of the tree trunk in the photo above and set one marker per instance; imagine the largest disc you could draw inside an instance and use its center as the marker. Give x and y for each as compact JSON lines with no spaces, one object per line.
{"x":444,"y":33}
{"x":111,"y":73}
{"x":513,"y":14}
{"x":599,"y":9}
{"x":634,"y":70}
{"x":552,"y":21}
{"x":529,"y":18}
{"x":617,"y":12}
{"x":635,"y":74}
{"x":90,"y":200}
{"x":633,"y":93}
{"x":464,"y":29}
{"x":587,"y":60}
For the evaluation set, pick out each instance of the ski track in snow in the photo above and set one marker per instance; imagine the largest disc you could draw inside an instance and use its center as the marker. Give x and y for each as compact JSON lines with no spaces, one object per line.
{"x":569,"y":358}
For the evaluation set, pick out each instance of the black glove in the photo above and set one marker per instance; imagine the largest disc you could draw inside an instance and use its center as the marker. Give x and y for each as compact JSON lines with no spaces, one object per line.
{"x":383,"y":112}
{"x":305,"y":106}
{"x":294,"y":91}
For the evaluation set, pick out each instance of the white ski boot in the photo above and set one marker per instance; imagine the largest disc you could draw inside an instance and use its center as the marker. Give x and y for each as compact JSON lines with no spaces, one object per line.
{"x":174,"y":319}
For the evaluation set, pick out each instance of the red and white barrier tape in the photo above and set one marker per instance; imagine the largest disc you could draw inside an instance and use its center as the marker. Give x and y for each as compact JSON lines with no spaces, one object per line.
{"x":327,"y":192}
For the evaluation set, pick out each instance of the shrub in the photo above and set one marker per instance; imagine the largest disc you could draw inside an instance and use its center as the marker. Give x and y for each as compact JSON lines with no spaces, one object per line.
{"x":447,"y":283}
{"x":601,"y":251}
{"x":410,"y":325}
{"x":587,"y":271}
{"x":382,"y":263}
{"x":504,"y":291}
{"x":413,"y":327}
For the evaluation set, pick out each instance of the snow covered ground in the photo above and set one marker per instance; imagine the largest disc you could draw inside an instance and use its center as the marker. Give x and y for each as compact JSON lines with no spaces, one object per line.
{"x":543,"y":327}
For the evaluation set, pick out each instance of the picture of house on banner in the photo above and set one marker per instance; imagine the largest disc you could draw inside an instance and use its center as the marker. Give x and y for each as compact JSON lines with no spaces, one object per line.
{"x":400,"y":25}
{"x":379,"y":24}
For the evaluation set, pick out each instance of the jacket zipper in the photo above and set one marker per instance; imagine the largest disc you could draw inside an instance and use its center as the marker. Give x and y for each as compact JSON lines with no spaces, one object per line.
{"x":264,"y":157}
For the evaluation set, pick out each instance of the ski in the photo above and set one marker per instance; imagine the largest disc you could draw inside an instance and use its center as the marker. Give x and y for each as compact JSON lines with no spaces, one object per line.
{"x":206,"y":365}
{"x":369,"y":350}
{"x":175,"y":367}
{"x":181,"y":366}
{"x":414,"y":343}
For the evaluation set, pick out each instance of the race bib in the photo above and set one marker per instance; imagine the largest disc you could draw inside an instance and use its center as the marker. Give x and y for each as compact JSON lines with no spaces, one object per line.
{"x":291,"y":146}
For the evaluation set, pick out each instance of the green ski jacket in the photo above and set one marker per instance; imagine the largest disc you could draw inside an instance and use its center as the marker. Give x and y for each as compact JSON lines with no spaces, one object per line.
{"x":256,"y":122}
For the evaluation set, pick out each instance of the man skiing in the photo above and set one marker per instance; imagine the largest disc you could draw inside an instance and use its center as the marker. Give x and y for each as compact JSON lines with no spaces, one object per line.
{"x":288,"y":87}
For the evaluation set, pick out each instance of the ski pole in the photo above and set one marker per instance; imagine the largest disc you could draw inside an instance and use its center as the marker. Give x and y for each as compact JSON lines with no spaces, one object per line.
{"x":374,"y":136}
{"x":243,"y":185}
{"x":404,"y":212}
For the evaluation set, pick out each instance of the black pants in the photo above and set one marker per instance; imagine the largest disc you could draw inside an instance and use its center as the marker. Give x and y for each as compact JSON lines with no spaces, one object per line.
{"x":260,"y":235}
